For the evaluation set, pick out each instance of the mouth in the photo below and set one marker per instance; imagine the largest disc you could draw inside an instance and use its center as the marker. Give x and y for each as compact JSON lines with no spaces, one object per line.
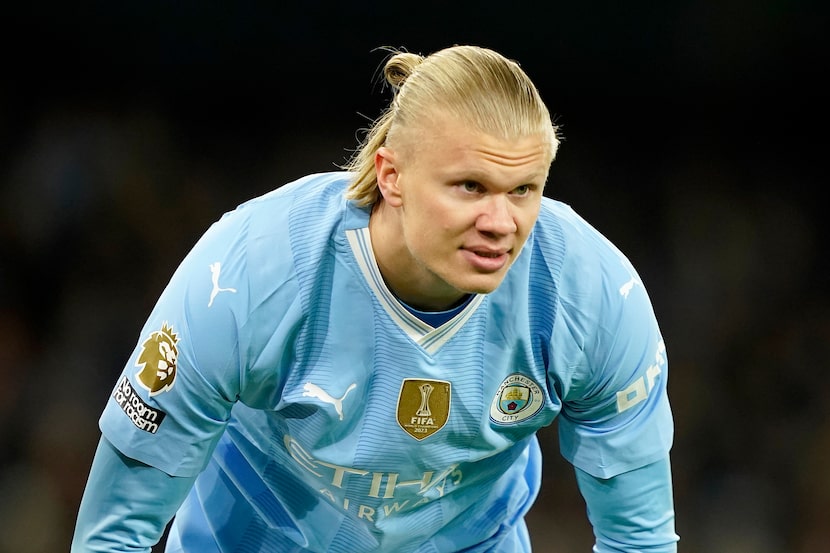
{"x":489,"y":254}
{"x":487,"y":260}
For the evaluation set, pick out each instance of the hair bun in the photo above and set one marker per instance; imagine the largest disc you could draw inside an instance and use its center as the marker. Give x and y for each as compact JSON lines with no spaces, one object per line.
{"x":399,"y":67}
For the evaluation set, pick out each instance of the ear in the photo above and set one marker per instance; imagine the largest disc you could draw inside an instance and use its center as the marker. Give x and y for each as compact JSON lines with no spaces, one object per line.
{"x":387,"y":172}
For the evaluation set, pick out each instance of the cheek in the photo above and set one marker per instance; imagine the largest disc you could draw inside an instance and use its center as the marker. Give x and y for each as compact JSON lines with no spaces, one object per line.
{"x":528,"y":218}
{"x":430,"y":215}
{"x":430,"y":234}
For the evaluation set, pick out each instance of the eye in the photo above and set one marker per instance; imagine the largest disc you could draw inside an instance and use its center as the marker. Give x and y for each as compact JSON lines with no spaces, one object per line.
{"x":522,"y":190}
{"x":471,"y":186}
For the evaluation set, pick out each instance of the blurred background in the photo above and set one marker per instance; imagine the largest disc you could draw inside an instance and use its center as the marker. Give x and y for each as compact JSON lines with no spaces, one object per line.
{"x":695,"y":139}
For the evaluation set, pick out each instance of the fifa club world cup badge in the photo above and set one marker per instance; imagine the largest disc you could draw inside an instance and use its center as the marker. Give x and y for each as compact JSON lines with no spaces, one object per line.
{"x":158,"y":360}
{"x":423,"y":406}
{"x":517,"y":399}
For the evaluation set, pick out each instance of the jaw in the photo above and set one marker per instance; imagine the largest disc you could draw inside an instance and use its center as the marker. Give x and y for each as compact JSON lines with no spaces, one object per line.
{"x":440,"y":288}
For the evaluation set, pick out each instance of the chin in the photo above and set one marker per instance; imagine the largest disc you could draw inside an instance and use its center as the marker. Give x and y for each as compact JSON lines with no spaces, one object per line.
{"x":482,"y":285}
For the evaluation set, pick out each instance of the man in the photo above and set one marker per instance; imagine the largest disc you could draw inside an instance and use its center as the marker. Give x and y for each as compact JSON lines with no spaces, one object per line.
{"x":359,"y":361}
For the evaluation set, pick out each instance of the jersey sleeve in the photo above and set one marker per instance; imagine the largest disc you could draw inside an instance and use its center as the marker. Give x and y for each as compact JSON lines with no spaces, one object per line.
{"x":126,"y":504}
{"x":633,"y":511}
{"x":616,"y":415}
{"x":172,"y":401}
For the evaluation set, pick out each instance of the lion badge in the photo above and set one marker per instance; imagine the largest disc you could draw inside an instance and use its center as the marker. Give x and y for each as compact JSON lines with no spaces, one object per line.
{"x":158,"y":360}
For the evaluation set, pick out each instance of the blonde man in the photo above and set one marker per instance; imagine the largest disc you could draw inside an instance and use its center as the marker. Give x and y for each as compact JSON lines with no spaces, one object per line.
{"x":397,"y":334}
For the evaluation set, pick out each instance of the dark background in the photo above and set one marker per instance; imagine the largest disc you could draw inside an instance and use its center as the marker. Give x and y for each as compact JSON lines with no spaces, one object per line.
{"x":695,"y":136}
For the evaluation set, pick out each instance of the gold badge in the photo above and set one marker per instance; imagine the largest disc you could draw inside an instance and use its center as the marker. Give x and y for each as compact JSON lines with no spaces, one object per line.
{"x":423,"y":406}
{"x":158,"y":360}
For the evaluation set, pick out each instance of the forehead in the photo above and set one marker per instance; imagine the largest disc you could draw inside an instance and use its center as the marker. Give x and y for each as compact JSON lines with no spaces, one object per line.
{"x":450,"y":146}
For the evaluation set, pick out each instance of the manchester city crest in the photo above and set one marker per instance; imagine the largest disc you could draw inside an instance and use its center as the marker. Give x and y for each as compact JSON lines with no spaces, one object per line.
{"x":518,"y":398}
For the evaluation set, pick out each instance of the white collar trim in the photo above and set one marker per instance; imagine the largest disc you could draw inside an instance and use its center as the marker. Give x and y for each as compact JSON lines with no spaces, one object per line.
{"x":429,"y":338}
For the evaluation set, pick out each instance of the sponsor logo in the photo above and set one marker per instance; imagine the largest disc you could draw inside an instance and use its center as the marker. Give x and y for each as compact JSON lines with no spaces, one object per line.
{"x":638,"y":390}
{"x":518,"y":398}
{"x":423,"y":406}
{"x":143,"y":416}
{"x":157,"y":360}
{"x":371,"y":495}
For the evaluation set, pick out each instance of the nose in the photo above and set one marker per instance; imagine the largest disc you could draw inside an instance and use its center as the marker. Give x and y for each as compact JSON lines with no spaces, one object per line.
{"x":496,"y":216}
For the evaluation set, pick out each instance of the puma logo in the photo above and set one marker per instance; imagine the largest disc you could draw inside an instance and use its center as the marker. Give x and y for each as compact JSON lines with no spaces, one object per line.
{"x":215,"y":268}
{"x":313,"y":390}
{"x":625,"y":289}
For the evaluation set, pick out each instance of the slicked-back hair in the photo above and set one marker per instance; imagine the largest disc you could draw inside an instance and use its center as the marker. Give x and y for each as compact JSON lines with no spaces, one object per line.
{"x":475,"y":85}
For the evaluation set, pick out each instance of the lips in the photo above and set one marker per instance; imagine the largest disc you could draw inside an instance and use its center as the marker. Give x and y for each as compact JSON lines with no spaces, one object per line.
{"x":486,"y":260}
{"x":485,"y":251}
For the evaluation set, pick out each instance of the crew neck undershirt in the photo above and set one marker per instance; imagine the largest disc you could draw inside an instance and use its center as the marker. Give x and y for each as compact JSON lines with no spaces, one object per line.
{"x":437,"y":318}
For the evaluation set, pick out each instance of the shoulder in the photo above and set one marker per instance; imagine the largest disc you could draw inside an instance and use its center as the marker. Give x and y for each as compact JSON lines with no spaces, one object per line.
{"x":311,"y":196}
{"x":559,"y":221}
{"x":288,"y":228}
{"x":260,"y":243}
{"x":299,"y":212}
{"x":270,"y":213}
{"x":587,"y":285}
{"x":587,"y":259}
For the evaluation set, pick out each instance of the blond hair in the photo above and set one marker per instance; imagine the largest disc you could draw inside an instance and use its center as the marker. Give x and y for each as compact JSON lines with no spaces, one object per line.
{"x":471,"y":83}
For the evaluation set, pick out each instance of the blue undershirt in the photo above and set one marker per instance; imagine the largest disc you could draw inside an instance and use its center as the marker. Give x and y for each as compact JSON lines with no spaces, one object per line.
{"x":437,"y":318}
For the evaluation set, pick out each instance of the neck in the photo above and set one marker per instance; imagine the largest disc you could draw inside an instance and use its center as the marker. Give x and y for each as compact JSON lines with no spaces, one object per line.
{"x":405,"y":276}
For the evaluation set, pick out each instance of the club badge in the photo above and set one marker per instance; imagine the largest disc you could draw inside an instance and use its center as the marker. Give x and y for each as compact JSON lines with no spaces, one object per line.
{"x":518,"y":398}
{"x":423,"y":406}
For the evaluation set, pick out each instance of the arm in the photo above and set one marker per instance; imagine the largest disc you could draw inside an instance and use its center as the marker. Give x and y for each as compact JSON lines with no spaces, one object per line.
{"x":126,"y":504}
{"x":632,"y":511}
{"x":616,"y":425}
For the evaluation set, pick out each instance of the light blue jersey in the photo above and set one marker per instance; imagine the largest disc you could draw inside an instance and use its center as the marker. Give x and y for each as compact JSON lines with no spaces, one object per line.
{"x":322,"y":415}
